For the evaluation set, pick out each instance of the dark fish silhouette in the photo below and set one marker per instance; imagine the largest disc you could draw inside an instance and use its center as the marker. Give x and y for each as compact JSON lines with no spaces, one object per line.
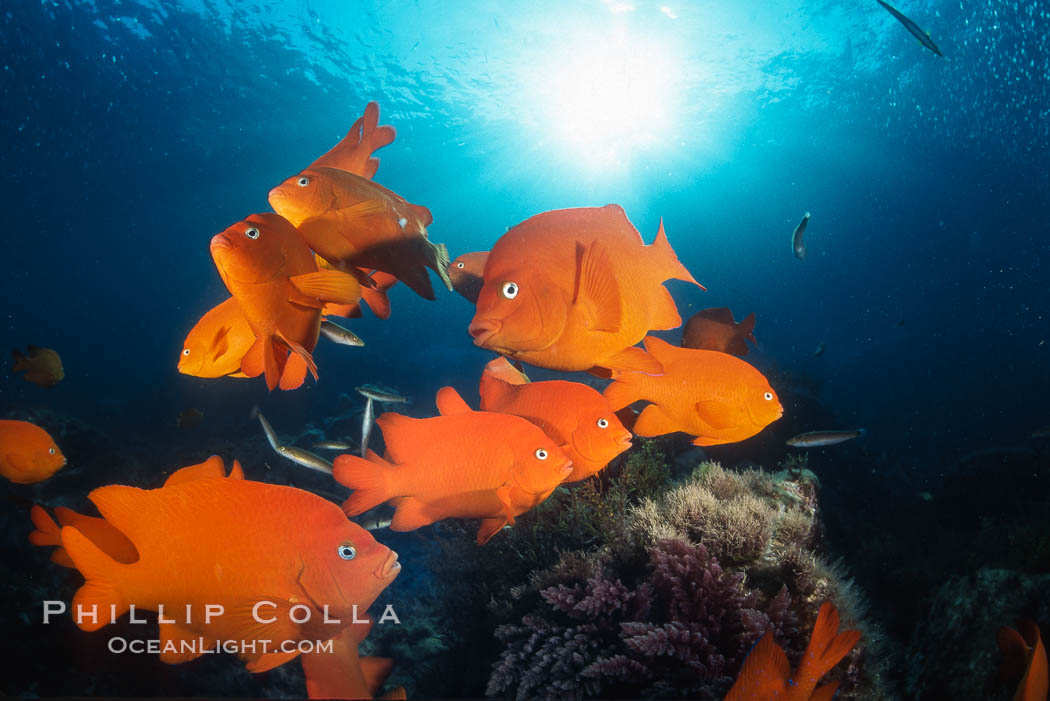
{"x":796,"y":238}
{"x":915,"y":30}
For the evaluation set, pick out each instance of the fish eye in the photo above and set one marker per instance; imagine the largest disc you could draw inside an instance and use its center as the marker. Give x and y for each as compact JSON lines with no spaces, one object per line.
{"x":603,"y":423}
{"x":347,"y":551}
{"x":510,"y":290}
{"x":768,"y":396}
{"x":541,"y":454}
{"x":51,"y":450}
{"x":186,"y":351}
{"x":460,"y":265}
{"x":303,"y":181}
{"x":251,"y":232}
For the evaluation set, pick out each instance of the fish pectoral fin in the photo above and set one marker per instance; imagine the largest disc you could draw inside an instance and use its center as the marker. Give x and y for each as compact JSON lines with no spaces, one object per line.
{"x":411,"y":513}
{"x":327,"y":287}
{"x":717,"y":414}
{"x":273,"y":623}
{"x":596,"y":291}
{"x":489,"y":528}
{"x":173,"y":651}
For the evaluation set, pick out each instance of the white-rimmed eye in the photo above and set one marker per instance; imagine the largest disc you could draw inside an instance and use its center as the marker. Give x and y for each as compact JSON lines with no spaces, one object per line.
{"x":347,"y":551}
{"x":603,"y":423}
{"x":541,"y":454}
{"x":51,"y":450}
{"x":510,"y":290}
{"x":186,"y":351}
{"x":303,"y":181}
{"x":251,"y":232}
{"x":460,"y":265}
{"x":768,"y":396}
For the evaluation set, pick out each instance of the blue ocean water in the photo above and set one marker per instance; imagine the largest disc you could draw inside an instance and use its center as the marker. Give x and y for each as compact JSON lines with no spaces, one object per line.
{"x":135,"y":130}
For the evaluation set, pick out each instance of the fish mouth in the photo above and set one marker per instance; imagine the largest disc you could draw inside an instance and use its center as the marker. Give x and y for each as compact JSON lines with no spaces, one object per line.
{"x":626,"y":440}
{"x":389,"y":567}
{"x":221,"y":241}
{"x":484,"y":330}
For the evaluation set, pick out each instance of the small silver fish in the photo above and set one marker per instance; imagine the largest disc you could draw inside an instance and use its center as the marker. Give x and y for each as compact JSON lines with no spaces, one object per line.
{"x":366,"y":426}
{"x":296,"y":455}
{"x":373,"y":392}
{"x":337,"y":334}
{"x":916,"y":30}
{"x":374,"y":523}
{"x":332,"y":445}
{"x":819,"y":350}
{"x":818,"y":439}
{"x":796,"y":238}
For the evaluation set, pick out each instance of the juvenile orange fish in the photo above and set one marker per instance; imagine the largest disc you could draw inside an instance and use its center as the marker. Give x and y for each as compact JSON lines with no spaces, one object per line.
{"x":467,"y":273}
{"x":265,"y":553}
{"x":462,"y":464}
{"x":576,"y":417}
{"x":766,"y":674}
{"x":715,"y":329}
{"x":217,"y":343}
{"x":714,"y":396}
{"x":27,"y":453}
{"x":42,"y":366}
{"x":351,"y":221}
{"x":343,"y":674}
{"x":1025,"y":654}
{"x":274,"y":277}
{"x":354,"y":151}
{"x":574,"y":289}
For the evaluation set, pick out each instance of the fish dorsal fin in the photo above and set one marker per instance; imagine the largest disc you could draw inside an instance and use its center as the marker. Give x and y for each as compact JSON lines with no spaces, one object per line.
{"x":660,"y":349}
{"x":212,"y":467}
{"x":236,"y":472}
{"x":721,"y":314}
{"x":375,"y":671}
{"x":327,"y":287}
{"x":403,"y":436}
{"x":449,"y":402}
{"x":667,"y":259}
{"x":503,"y":369}
{"x":422,"y":214}
{"x":130,"y":509}
{"x":596,"y":290}
{"x":717,"y":414}
{"x":764,"y":674}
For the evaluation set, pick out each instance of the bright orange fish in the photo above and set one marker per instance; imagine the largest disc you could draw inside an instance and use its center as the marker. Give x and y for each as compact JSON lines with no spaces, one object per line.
{"x":462,"y":464}
{"x":27,"y":453}
{"x":375,"y":296}
{"x":351,"y":221}
{"x":257,"y":550}
{"x":1025,"y":653}
{"x":217,"y":343}
{"x":574,"y":289}
{"x":467,"y":273}
{"x":576,"y":417}
{"x":343,"y":673}
{"x":766,"y":674}
{"x":715,"y":329}
{"x":99,"y":531}
{"x":42,"y":366}
{"x":354,"y":152}
{"x":714,"y":396}
{"x":274,"y":277}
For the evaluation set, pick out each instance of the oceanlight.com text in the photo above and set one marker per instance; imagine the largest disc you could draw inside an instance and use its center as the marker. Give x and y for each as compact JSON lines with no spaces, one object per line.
{"x":200,"y":646}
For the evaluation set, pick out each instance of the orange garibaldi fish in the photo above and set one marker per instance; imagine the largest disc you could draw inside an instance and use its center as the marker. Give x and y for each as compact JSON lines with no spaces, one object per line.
{"x":263,"y":552}
{"x":1024,"y":655}
{"x":42,"y":366}
{"x":576,"y":417}
{"x":351,"y":221}
{"x":462,"y":464}
{"x":467,"y":273}
{"x":574,"y":289}
{"x":766,"y":674}
{"x":714,"y":396}
{"x":275,"y":279}
{"x":343,"y":673}
{"x":715,"y":329}
{"x":28,"y":454}
{"x":217,"y":343}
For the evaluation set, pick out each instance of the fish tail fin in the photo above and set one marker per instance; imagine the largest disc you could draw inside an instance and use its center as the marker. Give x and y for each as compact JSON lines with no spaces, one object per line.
{"x":826,"y":648}
{"x":48,"y":534}
{"x":624,"y":391}
{"x":765,"y":672}
{"x":438,"y":260}
{"x":747,"y":327}
{"x":370,"y":478}
{"x":98,"y":600}
{"x":301,"y":353}
{"x":19,"y":361}
{"x":669,"y":259}
{"x":861,"y":432}
{"x":374,"y":137}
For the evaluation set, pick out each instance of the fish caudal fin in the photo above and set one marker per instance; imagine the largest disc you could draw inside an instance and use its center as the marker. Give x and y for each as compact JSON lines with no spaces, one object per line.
{"x":98,"y":599}
{"x":19,"y":361}
{"x":667,"y":259}
{"x":747,"y":328}
{"x":764,"y":674}
{"x":438,"y":260}
{"x":47,"y":531}
{"x":826,"y":649}
{"x":371,"y":480}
